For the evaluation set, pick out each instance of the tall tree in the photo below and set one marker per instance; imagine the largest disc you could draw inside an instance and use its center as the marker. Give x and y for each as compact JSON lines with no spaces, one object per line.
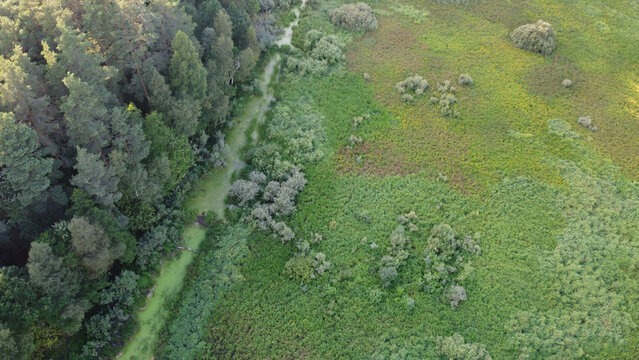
{"x":187,"y":74}
{"x":24,"y":172}
{"x":96,"y":178}
{"x":48,"y":273}
{"x":86,"y":115}
{"x":93,"y":246}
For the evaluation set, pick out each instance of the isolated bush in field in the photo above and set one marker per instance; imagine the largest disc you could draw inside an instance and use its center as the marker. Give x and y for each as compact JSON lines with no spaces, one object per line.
{"x":367,"y":77}
{"x":397,"y":253}
{"x":538,"y":37}
{"x":454,"y":347}
{"x":415,"y":83}
{"x":354,"y":17}
{"x":445,"y":97}
{"x":358,"y":120}
{"x":586,"y":121}
{"x":566,"y":83}
{"x":465,"y":79}
{"x":445,"y":86}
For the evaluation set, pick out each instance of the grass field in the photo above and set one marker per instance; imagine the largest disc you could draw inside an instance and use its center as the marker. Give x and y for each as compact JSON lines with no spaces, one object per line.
{"x":554,"y":205}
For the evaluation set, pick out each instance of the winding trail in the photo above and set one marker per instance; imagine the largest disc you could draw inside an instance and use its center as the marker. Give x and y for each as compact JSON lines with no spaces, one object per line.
{"x":213,"y":189}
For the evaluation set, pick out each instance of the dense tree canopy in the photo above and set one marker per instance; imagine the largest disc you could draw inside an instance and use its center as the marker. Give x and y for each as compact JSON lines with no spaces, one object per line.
{"x":107,"y":109}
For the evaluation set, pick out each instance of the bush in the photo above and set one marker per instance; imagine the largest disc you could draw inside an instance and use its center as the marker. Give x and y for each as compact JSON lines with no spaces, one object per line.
{"x":445,"y":255}
{"x":354,"y":17}
{"x":465,"y":79}
{"x":538,"y":37}
{"x":454,"y":347}
{"x":454,"y":295}
{"x":244,"y":192}
{"x":586,"y":121}
{"x":416,"y":83}
{"x":566,"y":83}
{"x":407,"y":98}
{"x":329,"y":49}
{"x":387,"y":274}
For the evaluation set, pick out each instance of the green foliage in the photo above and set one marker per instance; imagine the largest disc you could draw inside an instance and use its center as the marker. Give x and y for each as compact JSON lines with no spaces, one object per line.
{"x":562,"y":129}
{"x":23,"y":170}
{"x":93,"y":246}
{"x":166,"y":144}
{"x":538,"y":37}
{"x":454,"y":347}
{"x":417,"y":15}
{"x":354,"y":17}
{"x":187,"y":74}
{"x":96,"y":178}
{"x":217,"y":269}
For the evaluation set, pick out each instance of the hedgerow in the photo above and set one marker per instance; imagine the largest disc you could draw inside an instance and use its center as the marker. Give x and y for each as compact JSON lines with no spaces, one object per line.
{"x":354,"y":17}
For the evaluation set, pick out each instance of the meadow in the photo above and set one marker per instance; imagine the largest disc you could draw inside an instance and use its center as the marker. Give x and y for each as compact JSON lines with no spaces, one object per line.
{"x":553,"y":205}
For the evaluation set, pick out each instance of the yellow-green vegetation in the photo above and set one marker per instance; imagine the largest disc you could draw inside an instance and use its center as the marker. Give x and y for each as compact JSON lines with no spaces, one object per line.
{"x":507,"y":232}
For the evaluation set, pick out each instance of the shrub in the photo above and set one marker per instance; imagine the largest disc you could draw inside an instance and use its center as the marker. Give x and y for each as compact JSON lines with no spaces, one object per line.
{"x":367,"y":77}
{"x":387,"y":274}
{"x":538,"y":37}
{"x":407,"y":98}
{"x":454,"y":347}
{"x":354,"y":17}
{"x":329,"y":49}
{"x":454,"y":295}
{"x":306,"y":66}
{"x":465,"y":79}
{"x":244,"y":192}
{"x":355,"y":140}
{"x":586,"y":121}
{"x":445,"y":254}
{"x":416,"y":83}
{"x":566,"y":83}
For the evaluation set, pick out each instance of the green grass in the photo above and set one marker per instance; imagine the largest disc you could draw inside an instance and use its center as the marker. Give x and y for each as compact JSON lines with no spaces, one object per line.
{"x":557,"y":214}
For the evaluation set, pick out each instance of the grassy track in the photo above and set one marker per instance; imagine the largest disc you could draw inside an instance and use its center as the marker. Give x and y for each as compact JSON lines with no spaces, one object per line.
{"x":210,"y":197}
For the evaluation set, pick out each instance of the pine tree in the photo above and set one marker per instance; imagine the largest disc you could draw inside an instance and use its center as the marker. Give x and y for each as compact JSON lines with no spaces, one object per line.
{"x":187,"y":74}
{"x":96,"y":178}
{"x":24,"y":172}
{"x":86,"y":116}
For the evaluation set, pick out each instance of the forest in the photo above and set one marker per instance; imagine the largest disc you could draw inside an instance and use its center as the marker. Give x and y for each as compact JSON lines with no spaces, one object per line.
{"x":319,"y":179}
